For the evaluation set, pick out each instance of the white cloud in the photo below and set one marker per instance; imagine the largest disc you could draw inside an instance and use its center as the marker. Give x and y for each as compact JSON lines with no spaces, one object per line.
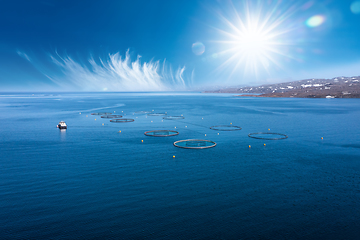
{"x":116,"y":73}
{"x":23,"y":55}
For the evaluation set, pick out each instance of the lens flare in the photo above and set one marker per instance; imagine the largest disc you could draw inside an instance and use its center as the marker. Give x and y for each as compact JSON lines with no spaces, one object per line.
{"x":198,"y":48}
{"x":256,"y":35}
{"x":355,"y":7}
{"x":315,"y":21}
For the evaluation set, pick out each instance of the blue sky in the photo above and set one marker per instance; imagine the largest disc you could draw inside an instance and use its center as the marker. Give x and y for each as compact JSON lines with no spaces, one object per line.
{"x":174,"y":45}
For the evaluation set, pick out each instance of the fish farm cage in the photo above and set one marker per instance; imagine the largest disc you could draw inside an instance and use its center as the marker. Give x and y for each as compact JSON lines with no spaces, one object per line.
{"x":122,"y":120}
{"x":157,"y":114}
{"x":268,"y":136}
{"x":195,"y":144}
{"x":101,"y":113}
{"x":225,"y":128}
{"x":173,"y":117}
{"x":111,"y":116}
{"x":161,"y":133}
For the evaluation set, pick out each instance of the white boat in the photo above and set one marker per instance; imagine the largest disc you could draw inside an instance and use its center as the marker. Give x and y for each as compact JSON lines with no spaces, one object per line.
{"x":62,"y":125}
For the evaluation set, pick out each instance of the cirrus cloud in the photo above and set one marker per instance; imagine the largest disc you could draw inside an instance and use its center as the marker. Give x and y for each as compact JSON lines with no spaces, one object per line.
{"x":113,"y":73}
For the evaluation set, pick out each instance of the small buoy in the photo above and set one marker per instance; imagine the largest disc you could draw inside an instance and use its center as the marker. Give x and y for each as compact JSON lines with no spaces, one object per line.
{"x":218,"y":133}
{"x":80,"y":113}
{"x":95,"y":119}
{"x":230,"y":123}
{"x":249,"y":146}
{"x":122,"y":111}
{"x":114,"y":111}
{"x":162,"y":120}
{"x":322,"y":138}
{"x":175,"y":127}
{"x":120,"y":131}
{"x":151,"y":121}
{"x":181,"y":115}
{"x":86,"y":115}
{"x":142,"y":140}
{"x":202,"y":118}
{"x":205,"y":135}
{"x":173,"y":156}
{"x":103,"y":124}
{"x":264,"y":144}
{"x":269,"y":129}
{"x":185,"y":126}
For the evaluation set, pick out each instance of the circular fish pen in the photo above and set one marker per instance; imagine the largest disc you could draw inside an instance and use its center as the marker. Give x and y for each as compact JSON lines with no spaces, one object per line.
{"x":195,"y":144}
{"x":122,"y":120}
{"x":101,"y":113}
{"x":143,"y":112}
{"x":268,"y":136}
{"x":225,"y":128}
{"x":161,"y":133}
{"x":173,"y":117}
{"x":157,"y":114}
{"x":111,"y":116}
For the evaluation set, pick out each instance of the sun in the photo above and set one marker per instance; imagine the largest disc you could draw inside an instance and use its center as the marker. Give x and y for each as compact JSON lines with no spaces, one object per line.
{"x":254,"y":37}
{"x":253,"y":42}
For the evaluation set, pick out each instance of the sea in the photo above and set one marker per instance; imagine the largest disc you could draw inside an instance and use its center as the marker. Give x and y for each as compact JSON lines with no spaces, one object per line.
{"x":104,"y":180}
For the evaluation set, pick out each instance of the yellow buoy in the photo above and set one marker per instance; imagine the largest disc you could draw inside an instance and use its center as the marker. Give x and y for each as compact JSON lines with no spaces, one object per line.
{"x":95,"y":119}
{"x":142,"y":140}
{"x":269,"y":129}
{"x":119,"y":131}
{"x":249,"y":146}
{"x":230,"y":123}
{"x":103,"y":124}
{"x":173,"y":156}
{"x":205,"y":135}
{"x":322,"y":138}
{"x":264,"y":144}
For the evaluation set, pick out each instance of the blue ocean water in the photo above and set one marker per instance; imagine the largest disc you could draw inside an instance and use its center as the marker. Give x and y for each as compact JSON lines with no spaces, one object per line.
{"x":92,"y":181}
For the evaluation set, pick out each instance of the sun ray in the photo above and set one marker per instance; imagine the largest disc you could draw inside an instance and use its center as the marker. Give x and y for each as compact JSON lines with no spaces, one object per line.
{"x":256,"y":36}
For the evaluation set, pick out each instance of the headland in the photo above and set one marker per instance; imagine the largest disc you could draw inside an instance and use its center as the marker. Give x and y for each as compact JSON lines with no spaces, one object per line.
{"x":339,"y":87}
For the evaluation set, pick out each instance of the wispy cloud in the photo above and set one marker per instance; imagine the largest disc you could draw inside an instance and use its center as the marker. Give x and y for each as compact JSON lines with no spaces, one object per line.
{"x":23,"y":55}
{"x":115,"y":73}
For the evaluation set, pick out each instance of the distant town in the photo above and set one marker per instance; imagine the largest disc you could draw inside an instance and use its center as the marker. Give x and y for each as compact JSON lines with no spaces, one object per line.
{"x":339,"y":87}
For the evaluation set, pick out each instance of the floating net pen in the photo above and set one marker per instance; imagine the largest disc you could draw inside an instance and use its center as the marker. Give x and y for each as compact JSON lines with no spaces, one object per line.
{"x":225,"y":128}
{"x":122,"y":120}
{"x":268,"y":136}
{"x":161,"y":133}
{"x":194,"y":144}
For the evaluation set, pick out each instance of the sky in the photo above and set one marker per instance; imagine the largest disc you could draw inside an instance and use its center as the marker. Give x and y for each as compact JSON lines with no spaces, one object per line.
{"x":174,"y":45}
